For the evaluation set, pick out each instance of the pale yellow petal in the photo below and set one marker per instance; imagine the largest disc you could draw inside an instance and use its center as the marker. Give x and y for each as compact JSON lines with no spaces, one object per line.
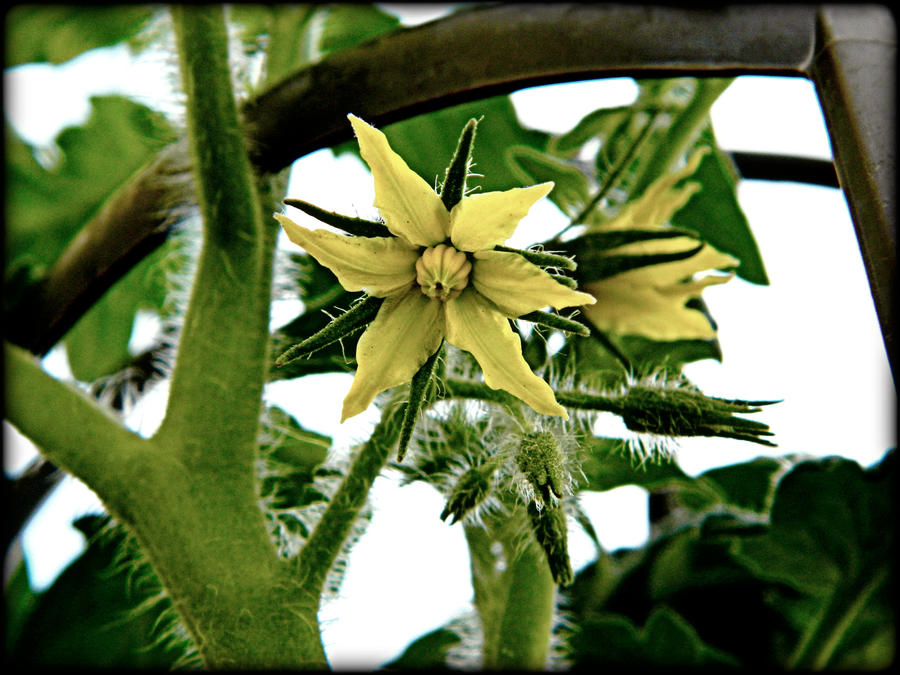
{"x":476,"y":326}
{"x":482,"y":221}
{"x":660,"y":201}
{"x":378,"y":265}
{"x":651,"y":301}
{"x":410,"y":207}
{"x":517,"y":286}
{"x":406,"y":331}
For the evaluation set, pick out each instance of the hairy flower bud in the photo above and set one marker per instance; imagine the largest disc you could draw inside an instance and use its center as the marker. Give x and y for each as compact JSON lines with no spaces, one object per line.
{"x":540,"y":458}
{"x":684,"y":412}
{"x":551,"y":532}
{"x":471,"y":490}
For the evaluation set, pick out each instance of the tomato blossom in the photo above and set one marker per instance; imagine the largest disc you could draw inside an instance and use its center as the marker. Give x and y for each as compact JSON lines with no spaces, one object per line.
{"x":441,"y":279}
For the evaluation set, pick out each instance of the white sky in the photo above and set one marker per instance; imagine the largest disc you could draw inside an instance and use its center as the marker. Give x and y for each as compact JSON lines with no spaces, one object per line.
{"x":810,"y":338}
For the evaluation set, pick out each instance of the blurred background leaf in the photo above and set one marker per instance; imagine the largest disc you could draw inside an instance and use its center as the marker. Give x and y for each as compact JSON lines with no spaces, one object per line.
{"x":56,"y":33}
{"x":91,"y":617}
{"x":47,"y":206}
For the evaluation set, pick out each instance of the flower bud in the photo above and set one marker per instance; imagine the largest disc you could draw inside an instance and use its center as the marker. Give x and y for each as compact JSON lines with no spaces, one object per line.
{"x":540,"y":458}
{"x":683,"y":412}
{"x":551,"y":532}
{"x":471,"y":490}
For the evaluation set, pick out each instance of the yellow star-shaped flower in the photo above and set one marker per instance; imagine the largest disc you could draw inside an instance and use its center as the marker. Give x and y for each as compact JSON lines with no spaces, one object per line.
{"x":440,"y":278}
{"x":652,"y":301}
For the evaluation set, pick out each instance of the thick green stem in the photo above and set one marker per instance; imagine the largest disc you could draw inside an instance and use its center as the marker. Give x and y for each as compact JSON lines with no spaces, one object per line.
{"x":72,"y":430}
{"x":197,"y":517}
{"x":223,"y":349}
{"x":514,"y":593}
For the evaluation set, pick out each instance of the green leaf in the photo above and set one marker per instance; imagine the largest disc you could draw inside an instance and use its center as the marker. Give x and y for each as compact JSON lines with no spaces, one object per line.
{"x":57,"y":33}
{"x":292,"y":445}
{"x":665,"y":640}
{"x":19,"y":601}
{"x":428,"y":652}
{"x":293,"y":456}
{"x":829,"y":526}
{"x":98,"y":343}
{"x":749,"y":485}
{"x":346,"y":25}
{"x":607,"y":464}
{"x":45,"y":208}
{"x":601,"y":124}
{"x":90,"y":616}
{"x":689,"y":570}
{"x":715,"y":214}
{"x":831,"y":539}
{"x":572,"y":189}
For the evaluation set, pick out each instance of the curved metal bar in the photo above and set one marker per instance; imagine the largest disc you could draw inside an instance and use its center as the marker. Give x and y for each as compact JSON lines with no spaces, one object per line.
{"x":497,"y":49}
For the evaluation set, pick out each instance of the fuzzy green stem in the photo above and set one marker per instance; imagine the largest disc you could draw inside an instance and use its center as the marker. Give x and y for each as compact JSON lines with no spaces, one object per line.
{"x":324,"y":544}
{"x":197,"y":516}
{"x":223,"y":349}
{"x":514,"y":600}
{"x":681,"y":135}
{"x":72,"y":430}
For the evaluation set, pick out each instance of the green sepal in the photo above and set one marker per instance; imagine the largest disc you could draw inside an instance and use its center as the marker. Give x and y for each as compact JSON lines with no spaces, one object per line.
{"x":454,"y":187}
{"x":610,"y":266}
{"x":558,"y":322}
{"x":603,"y":241}
{"x":541,"y":258}
{"x":565,"y":280}
{"x":359,"y":227}
{"x":418,"y":392}
{"x":354,"y":319}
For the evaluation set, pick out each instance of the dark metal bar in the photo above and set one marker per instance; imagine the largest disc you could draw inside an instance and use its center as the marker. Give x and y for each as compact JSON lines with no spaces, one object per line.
{"x":498,"y":49}
{"x":854,"y":70}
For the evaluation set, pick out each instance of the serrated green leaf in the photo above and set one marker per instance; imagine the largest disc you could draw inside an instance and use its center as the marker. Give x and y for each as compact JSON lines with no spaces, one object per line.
{"x":571,"y":191}
{"x":667,"y":639}
{"x":57,"y":33}
{"x":715,"y":214}
{"x":98,"y":343}
{"x":89,"y":618}
{"x":428,"y":652}
{"x":45,"y":208}
{"x":831,"y":539}
{"x":346,"y":25}
{"x":829,"y":525}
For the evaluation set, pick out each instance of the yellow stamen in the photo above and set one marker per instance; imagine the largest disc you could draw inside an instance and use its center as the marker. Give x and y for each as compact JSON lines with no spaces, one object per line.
{"x":442,"y":272}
